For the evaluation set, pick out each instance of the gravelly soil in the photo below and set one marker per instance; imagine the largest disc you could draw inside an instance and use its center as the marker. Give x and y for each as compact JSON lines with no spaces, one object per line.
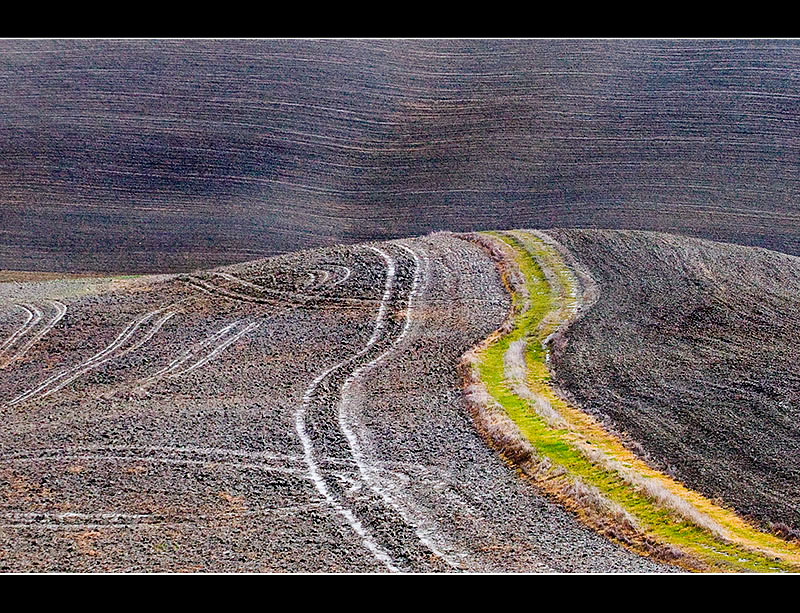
{"x":691,"y":349}
{"x":167,"y":155}
{"x":300,"y":413}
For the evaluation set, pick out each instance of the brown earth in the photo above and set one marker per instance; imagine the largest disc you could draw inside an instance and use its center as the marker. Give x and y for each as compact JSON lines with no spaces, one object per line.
{"x":691,"y":350}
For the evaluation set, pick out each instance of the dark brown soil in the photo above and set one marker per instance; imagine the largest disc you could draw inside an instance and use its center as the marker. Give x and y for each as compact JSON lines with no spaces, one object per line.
{"x":159,"y":156}
{"x":692,"y":351}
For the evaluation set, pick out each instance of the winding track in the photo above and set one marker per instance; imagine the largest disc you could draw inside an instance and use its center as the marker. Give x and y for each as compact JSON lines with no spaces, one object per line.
{"x":189,"y":354}
{"x":350,"y":425}
{"x":220,"y":340}
{"x":325,"y":488}
{"x":19,"y":331}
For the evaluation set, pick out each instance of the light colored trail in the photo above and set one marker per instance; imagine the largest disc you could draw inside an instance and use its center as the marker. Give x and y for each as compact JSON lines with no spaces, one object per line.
{"x":308,"y":447}
{"x":342,"y":273}
{"x":19,"y":330}
{"x":316,"y":282}
{"x":34,"y":316}
{"x":235,"y":279}
{"x":263,"y":288}
{"x":213,"y":289}
{"x":56,"y":452}
{"x":217,"y":350}
{"x":348,"y":422}
{"x":344,"y":276}
{"x":347,"y":272}
{"x":116,"y":520}
{"x":293,"y":297}
{"x":33,"y":515}
{"x":185,"y":356}
{"x":395,"y":469}
{"x":60,"y":311}
{"x":57,"y":382}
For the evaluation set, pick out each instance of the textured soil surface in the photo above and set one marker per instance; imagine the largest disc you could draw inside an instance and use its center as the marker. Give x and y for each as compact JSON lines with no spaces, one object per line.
{"x":298,"y":413}
{"x":692,"y":350}
{"x":166,"y":156}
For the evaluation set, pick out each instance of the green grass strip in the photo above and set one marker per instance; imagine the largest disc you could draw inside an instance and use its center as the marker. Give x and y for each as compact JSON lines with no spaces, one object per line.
{"x":558,"y":445}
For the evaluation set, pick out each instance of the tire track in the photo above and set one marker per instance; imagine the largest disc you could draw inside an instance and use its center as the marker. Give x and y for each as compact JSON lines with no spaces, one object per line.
{"x":185,"y":356}
{"x":151,"y":459}
{"x":399,"y":470}
{"x":349,"y":424}
{"x":390,"y":523}
{"x":113,"y":351}
{"x":60,"y":311}
{"x":323,"y":487}
{"x":292,"y":298}
{"x":128,"y":521}
{"x":206,"y":287}
{"x":34,"y":315}
{"x":171,"y":370}
{"x":217,"y":350}
{"x":281,"y":464}
{"x":19,"y":330}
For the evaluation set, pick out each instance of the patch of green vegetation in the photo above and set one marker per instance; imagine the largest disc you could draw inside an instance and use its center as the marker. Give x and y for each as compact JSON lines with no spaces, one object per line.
{"x":558,"y":445}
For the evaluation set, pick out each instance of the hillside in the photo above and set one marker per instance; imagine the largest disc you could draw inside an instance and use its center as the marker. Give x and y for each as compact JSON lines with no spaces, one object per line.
{"x":569,"y":400}
{"x":167,"y":156}
{"x":298,"y":413}
{"x":691,"y":349}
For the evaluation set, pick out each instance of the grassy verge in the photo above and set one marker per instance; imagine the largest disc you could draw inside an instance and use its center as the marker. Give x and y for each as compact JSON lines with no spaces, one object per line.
{"x":585,"y":467}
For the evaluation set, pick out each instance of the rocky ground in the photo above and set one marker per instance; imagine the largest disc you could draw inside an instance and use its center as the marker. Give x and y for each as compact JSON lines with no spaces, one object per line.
{"x":691,"y":350}
{"x":299,"y":413}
